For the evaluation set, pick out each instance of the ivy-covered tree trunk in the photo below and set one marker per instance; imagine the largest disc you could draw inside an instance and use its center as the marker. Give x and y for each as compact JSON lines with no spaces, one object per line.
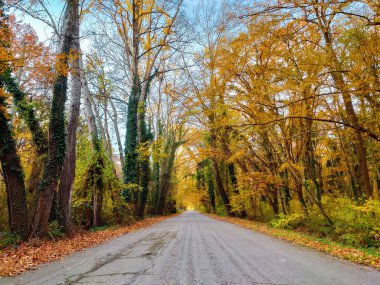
{"x":210,"y":187}
{"x":166,"y":168}
{"x":156,"y":153}
{"x":68,"y":171}
{"x":97,"y":189}
{"x":130,"y":172}
{"x":12,"y":172}
{"x":144,"y":156}
{"x":144,"y":169}
{"x":26,"y":111}
{"x":57,"y":140}
{"x":156,"y":185}
{"x":9,"y":160}
{"x":27,"y":114}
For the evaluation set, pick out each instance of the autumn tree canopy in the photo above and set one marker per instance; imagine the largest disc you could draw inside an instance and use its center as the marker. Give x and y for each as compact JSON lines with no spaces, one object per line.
{"x":265,"y":110}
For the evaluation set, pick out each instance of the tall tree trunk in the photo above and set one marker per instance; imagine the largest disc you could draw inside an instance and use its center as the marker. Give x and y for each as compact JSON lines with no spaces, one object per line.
{"x":57,"y":141}
{"x":107,"y":138}
{"x":95,"y":168}
{"x":27,"y":113}
{"x":156,"y":186}
{"x":143,"y":141}
{"x":130,"y":169}
{"x":88,"y":111}
{"x":166,"y":171}
{"x":299,"y":189}
{"x":273,"y":199}
{"x":117,"y":133}
{"x":98,"y":120}
{"x":97,"y":196}
{"x":210,"y":187}
{"x":232,"y":175}
{"x":311,"y":168}
{"x":68,"y":171}
{"x":166,"y":168}
{"x":130,"y":172}
{"x":13,"y":174}
{"x":144,"y":167}
{"x":360,"y":150}
{"x":219,"y":183}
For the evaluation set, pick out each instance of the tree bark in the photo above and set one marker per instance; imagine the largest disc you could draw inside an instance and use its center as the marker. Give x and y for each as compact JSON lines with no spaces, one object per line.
{"x":220,"y":187}
{"x":130,"y":169}
{"x":210,"y":187}
{"x":166,"y":168}
{"x":57,"y":141}
{"x":360,"y":150}
{"x":88,"y":111}
{"x":117,"y":133}
{"x":68,"y":171}
{"x":13,"y":175}
{"x":130,"y":172}
{"x":27,"y":113}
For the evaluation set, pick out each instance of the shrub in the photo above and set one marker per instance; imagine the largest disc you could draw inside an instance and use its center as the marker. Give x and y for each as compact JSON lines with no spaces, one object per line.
{"x":291,"y":221}
{"x":101,"y":228}
{"x":55,"y":230}
{"x":7,"y":239}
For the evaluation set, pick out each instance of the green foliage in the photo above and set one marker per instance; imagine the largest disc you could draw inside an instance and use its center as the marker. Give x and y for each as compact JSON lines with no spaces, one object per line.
{"x":12,"y":171}
{"x":355,"y":225}
{"x":57,"y":144}
{"x":210,"y":186}
{"x":130,"y":166}
{"x":3,"y":210}
{"x":101,"y":228}
{"x":115,"y":210}
{"x":7,"y":141}
{"x":27,"y":112}
{"x":9,"y":239}
{"x":290,"y":222}
{"x":55,"y":229}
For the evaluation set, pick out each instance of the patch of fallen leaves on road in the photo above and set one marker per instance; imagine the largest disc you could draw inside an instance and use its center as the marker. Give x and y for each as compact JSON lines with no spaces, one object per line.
{"x":14,"y":261}
{"x":351,"y":254}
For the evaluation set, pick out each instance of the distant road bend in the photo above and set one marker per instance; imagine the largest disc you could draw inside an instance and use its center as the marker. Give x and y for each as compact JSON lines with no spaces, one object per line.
{"x":194,"y":249}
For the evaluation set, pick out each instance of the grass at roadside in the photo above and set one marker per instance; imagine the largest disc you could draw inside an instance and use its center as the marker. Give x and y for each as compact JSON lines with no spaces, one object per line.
{"x":15,"y":260}
{"x":369,"y":257}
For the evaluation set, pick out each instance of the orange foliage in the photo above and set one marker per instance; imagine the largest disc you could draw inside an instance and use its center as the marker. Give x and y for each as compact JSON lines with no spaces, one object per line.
{"x":32,"y":60}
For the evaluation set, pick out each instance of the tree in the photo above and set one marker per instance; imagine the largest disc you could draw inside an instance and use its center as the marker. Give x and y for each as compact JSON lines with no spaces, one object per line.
{"x":57,"y":140}
{"x":10,"y":161}
{"x":144,"y":28}
{"x":68,"y":169}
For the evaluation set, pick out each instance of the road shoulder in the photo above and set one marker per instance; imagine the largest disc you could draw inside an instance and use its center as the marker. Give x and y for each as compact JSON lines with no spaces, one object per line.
{"x":351,"y":254}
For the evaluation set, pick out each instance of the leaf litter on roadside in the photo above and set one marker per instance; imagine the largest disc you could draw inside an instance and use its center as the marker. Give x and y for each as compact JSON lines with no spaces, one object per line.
{"x":15,"y":260}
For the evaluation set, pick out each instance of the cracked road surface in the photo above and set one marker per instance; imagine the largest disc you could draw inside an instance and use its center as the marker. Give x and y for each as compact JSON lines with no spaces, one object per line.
{"x":194,"y":249}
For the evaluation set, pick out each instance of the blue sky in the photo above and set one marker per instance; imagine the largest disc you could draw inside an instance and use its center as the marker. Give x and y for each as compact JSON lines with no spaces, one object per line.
{"x":55,"y":8}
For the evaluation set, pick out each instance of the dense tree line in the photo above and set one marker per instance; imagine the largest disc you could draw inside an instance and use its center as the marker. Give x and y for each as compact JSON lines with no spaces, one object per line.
{"x":262,"y":110}
{"x":285,"y":115}
{"x":65,"y":154}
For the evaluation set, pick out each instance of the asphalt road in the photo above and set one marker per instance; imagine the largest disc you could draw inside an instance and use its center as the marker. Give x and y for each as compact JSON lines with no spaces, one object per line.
{"x":194,"y":249}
